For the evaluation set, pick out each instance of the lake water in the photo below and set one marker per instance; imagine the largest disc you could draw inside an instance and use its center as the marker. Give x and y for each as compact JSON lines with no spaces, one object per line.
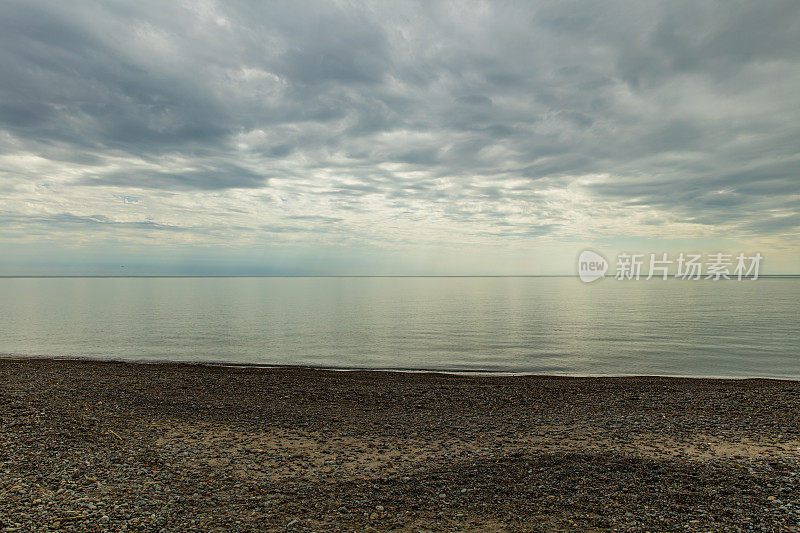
{"x":539,"y":325}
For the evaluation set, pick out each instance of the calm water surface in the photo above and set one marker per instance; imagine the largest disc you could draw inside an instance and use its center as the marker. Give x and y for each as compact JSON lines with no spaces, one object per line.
{"x":540,"y":325}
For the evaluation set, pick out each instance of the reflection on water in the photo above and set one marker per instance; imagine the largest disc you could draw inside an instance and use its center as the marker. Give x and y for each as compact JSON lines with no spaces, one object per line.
{"x":542,"y":325}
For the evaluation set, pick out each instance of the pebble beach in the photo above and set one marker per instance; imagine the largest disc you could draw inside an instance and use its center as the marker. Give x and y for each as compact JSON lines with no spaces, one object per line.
{"x":112,"y":446}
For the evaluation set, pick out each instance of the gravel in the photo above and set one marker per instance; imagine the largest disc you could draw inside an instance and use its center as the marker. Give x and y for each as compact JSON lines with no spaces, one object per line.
{"x":107,"y":446}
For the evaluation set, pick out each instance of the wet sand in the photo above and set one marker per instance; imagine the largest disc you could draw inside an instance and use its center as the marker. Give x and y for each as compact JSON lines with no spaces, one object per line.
{"x":93,"y":446}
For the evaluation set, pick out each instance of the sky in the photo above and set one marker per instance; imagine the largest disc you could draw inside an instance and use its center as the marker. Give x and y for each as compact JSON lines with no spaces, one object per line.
{"x":411,"y":138}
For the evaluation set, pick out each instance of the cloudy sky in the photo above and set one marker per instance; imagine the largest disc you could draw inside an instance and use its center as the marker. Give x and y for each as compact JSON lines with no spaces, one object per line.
{"x":394,"y":138}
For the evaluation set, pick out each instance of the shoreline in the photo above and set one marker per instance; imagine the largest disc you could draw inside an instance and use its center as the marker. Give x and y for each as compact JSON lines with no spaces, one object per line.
{"x":113,"y":446}
{"x":401,"y":370}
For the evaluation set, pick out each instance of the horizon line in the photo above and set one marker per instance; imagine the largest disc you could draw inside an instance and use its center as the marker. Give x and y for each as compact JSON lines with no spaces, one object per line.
{"x":34,"y":276}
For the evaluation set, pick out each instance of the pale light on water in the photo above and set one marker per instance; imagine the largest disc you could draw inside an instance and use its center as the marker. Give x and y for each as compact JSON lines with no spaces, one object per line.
{"x":539,"y":325}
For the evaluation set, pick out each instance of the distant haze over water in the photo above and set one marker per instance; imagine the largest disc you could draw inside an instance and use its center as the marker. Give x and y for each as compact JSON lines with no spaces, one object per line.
{"x":537,"y":325}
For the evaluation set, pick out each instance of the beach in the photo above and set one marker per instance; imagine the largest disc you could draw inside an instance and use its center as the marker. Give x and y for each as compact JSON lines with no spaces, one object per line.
{"x":112,"y":446}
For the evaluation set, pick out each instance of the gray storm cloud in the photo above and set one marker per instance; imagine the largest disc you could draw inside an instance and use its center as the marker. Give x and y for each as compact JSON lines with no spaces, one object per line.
{"x":367,"y":122}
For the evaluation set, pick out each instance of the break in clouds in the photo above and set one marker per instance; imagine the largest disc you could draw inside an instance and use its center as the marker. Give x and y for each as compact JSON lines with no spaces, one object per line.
{"x":393,"y":125}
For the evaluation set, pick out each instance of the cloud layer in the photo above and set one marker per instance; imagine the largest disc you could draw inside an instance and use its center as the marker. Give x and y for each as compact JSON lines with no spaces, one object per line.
{"x":395,"y":125}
